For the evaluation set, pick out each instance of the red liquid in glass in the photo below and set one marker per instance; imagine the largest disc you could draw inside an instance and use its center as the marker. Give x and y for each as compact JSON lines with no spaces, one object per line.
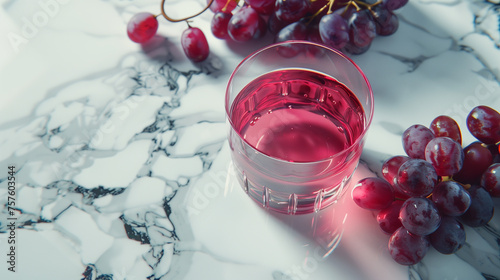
{"x":298,"y":115}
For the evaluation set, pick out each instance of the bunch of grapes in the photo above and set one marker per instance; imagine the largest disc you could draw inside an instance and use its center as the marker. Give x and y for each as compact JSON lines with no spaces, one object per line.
{"x":349,"y":25}
{"x":427,"y":196}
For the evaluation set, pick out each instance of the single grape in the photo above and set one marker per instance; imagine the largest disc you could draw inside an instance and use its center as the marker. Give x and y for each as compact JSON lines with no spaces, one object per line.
{"x":274,"y":25}
{"x":481,"y":208}
{"x":415,"y":139}
{"x":444,"y":126}
{"x":490,"y":180}
{"x":420,"y":216}
{"x":223,"y":5}
{"x":362,"y":29}
{"x":195,"y":45}
{"x":407,"y":248}
{"x":417,"y":177}
{"x":483,"y":123}
{"x":263,"y":7}
{"x":451,"y":198}
{"x":477,"y":159}
{"x":244,"y":24}
{"x":293,"y":31}
{"x":373,"y":193}
{"x":386,"y":22}
{"x":291,"y":10}
{"x":449,"y":237}
{"x":334,"y":31}
{"x":445,"y":155}
{"x":219,"y":24}
{"x":390,"y":170}
{"x":394,"y":4}
{"x":388,"y":218}
{"x":142,"y":27}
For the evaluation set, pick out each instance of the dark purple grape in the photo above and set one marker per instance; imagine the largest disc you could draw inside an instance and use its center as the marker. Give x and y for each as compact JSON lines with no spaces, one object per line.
{"x":407,"y":248}
{"x":291,"y":10}
{"x":373,"y":193}
{"x":293,"y":31}
{"x":420,"y":216}
{"x":386,"y":22}
{"x":445,"y":155}
{"x":481,"y":208}
{"x":390,"y":170}
{"x":415,"y":139}
{"x":223,"y":5}
{"x":388,"y":218}
{"x":451,"y":198}
{"x":274,"y":25}
{"x":195,"y":45}
{"x":483,"y":123}
{"x":142,"y":27}
{"x":444,"y":126}
{"x":333,"y":30}
{"x":394,"y":4}
{"x":449,"y":237}
{"x":362,"y":29}
{"x":417,"y":177}
{"x":263,"y":7}
{"x":490,"y":180}
{"x":219,"y":24}
{"x":244,"y":24}
{"x":477,"y":159}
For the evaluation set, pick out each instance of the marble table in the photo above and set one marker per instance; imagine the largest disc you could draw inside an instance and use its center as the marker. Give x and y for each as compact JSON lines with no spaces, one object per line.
{"x":122,"y":167}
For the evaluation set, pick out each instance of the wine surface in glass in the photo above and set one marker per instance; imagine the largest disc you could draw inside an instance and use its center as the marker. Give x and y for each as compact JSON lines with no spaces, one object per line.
{"x":298,"y":115}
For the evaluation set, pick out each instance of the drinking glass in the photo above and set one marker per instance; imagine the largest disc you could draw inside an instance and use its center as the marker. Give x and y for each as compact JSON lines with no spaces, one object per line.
{"x":298,"y":114}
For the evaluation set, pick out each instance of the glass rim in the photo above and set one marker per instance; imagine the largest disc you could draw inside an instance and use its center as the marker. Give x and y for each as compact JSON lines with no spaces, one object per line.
{"x":329,"y":49}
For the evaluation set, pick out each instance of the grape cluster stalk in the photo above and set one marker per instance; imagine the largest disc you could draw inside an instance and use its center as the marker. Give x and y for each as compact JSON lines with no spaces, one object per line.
{"x":428,"y":196}
{"x":347,"y":25}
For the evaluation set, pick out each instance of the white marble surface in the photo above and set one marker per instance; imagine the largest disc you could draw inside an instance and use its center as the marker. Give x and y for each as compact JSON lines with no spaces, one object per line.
{"x":123,"y":169}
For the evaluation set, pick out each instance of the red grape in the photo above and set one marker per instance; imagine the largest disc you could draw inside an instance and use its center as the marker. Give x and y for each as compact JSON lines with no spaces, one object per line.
{"x":451,"y":198}
{"x":293,"y":31}
{"x":394,"y":4}
{"x":244,"y":24}
{"x":390,"y":170}
{"x":481,"y":208}
{"x":291,"y":10}
{"x":218,"y":5}
{"x":449,"y":237}
{"x":274,"y":25}
{"x":362,"y":29}
{"x":444,"y":126}
{"x":388,"y":218}
{"x":407,"y":248}
{"x":417,"y":177}
{"x":445,"y":155}
{"x":484,"y":123}
{"x":386,"y":22}
{"x":490,"y":180}
{"x":373,"y":193}
{"x":142,"y":27}
{"x":333,"y":30}
{"x":263,"y":7}
{"x":219,"y":24}
{"x":477,"y":159}
{"x":195,"y":45}
{"x":420,"y":216}
{"x":415,"y":139}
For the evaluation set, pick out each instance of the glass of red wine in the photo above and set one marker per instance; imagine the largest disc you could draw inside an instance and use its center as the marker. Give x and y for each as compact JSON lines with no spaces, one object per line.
{"x":298,"y":114}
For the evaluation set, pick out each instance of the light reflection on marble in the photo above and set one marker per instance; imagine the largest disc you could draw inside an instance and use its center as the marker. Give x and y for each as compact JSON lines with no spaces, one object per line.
{"x":124,"y":171}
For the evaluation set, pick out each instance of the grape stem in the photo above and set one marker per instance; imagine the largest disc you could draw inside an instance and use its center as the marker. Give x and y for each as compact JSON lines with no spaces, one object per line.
{"x":182,"y":19}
